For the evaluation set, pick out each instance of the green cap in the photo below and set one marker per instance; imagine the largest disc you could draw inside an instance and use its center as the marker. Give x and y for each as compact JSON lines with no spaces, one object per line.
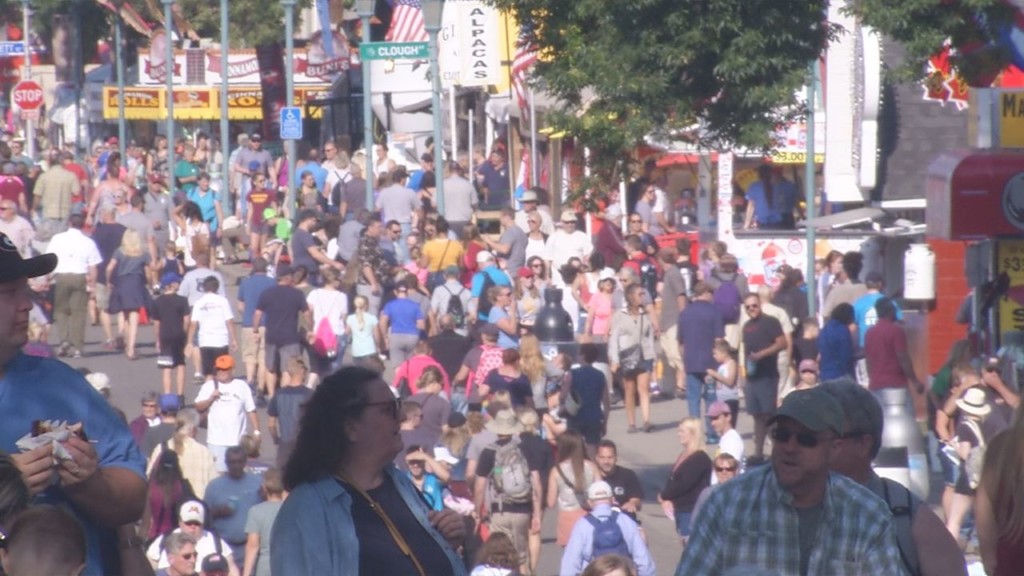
{"x":814,"y":408}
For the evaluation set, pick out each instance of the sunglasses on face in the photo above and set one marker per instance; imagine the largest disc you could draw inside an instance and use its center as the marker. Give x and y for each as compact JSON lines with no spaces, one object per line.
{"x":394,"y":405}
{"x":725,"y":468}
{"x":753,"y":306}
{"x":188,"y":556}
{"x":805,"y":439}
{"x":193,"y":524}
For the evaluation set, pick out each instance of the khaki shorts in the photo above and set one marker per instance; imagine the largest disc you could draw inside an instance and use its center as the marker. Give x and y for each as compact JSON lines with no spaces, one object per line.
{"x":670,"y":346}
{"x":254,"y":350}
{"x":102,"y":293}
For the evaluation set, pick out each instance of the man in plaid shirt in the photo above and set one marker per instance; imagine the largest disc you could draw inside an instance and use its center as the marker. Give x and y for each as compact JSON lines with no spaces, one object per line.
{"x":795,"y":518}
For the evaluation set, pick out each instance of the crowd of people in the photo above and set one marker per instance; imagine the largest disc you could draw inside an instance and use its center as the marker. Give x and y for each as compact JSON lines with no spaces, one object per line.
{"x":421,"y":422}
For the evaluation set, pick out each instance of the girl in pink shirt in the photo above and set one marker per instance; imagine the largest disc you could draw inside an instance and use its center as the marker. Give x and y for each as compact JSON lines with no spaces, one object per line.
{"x":599,"y":310}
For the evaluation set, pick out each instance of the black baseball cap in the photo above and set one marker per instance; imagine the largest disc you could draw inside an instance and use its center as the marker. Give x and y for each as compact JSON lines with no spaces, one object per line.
{"x":14,"y":267}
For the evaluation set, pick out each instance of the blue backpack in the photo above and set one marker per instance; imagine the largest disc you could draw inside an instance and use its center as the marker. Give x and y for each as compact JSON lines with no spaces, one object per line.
{"x":608,"y":537}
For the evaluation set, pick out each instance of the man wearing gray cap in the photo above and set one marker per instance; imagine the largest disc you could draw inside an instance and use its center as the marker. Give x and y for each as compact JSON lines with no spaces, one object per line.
{"x":925,"y":546}
{"x":796,"y":517}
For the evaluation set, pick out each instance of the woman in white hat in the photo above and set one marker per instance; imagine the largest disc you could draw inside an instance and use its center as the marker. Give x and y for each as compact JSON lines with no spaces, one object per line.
{"x":971,"y":432}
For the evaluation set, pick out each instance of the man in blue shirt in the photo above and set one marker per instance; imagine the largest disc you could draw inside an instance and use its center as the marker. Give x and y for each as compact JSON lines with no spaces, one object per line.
{"x":229,"y":498}
{"x":700,"y":323}
{"x":478,"y":287}
{"x":770,"y":202}
{"x":253,"y":348}
{"x":103,"y":481}
{"x":580,"y":549}
{"x":864,"y":307}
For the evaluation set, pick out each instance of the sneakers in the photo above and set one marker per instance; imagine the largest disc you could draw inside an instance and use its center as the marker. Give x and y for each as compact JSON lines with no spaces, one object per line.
{"x":109,"y":345}
{"x":76,"y":353}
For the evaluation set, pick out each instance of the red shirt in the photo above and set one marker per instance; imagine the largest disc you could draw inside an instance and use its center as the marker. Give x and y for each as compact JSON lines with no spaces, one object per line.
{"x":10,"y":188}
{"x":882,"y":344}
{"x":83,"y":178}
{"x":259,"y":199}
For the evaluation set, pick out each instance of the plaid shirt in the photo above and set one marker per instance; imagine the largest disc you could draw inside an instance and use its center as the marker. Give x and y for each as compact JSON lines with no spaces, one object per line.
{"x":750,"y":522}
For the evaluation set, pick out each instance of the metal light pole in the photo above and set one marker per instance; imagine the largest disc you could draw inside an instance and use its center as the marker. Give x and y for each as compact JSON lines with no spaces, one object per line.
{"x":289,"y":58}
{"x":365,"y":10}
{"x":432,"y":11}
{"x":809,"y":170}
{"x":122,"y":131}
{"x":78,"y":72}
{"x":225,"y":136}
{"x":169,"y":77}
{"x":30,"y":132}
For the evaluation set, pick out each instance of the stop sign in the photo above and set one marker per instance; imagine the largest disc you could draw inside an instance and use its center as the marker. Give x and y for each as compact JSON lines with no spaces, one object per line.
{"x":27,"y":95}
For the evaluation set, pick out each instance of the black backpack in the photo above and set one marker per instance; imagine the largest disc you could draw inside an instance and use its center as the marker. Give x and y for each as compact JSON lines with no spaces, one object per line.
{"x":455,"y":307}
{"x":649,"y":277}
{"x":483,"y":303}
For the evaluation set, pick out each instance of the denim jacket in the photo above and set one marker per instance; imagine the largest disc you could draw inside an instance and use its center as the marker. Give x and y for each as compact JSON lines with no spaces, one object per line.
{"x":313,"y":534}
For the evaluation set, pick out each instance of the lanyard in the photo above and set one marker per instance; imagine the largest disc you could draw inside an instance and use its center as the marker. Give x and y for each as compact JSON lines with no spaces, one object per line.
{"x":395,"y":534}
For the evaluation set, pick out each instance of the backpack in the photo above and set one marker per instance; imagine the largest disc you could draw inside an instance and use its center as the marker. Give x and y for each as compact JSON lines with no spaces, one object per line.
{"x":510,"y":476}
{"x":649,"y":277}
{"x":325,"y":342}
{"x":455,"y":308}
{"x":608,"y":537}
{"x":727,"y":300}
{"x":903,"y":518}
{"x":483,"y":303}
{"x":976,"y":457}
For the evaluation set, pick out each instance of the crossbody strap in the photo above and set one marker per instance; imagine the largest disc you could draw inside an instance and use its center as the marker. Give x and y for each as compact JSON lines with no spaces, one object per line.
{"x":392,"y":529}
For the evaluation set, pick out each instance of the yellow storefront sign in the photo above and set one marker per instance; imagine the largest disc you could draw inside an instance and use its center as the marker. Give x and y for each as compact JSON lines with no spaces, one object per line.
{"x":1010,"y":114}
{"x":200,"y":103}
{"x":1010,"y":261}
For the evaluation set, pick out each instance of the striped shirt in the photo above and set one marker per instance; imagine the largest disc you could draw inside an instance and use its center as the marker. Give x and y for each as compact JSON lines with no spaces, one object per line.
{"x":750,"y":522}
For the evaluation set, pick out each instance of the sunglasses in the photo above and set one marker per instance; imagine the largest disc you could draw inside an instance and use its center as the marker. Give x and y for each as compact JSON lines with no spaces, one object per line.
{"x":805,"y":439}
{"x":188,"y":556}
{"x":394,"y":405}
{"x":193,"y":523}
{"x":752,"y":306}
{"x":725,"y":468}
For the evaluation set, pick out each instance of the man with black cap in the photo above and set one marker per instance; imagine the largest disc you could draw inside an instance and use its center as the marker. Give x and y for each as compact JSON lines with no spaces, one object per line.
{"x":103,"y":481}
{"x":795,"y":517}
{"x":306,"y":251}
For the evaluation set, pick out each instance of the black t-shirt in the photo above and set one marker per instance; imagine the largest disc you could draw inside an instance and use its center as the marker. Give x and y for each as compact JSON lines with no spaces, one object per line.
{"x":804,"y":349}
{"x":170,"y":310}
{"x":534,"y":454}
{"x":281,"y":306}
{"x":302,"y":241}
{"x":449,"y":349}
{"x":759,"y":334}
{"x":379,"y":554}
{"x":518,"y":388}
{"x":625,"y":485}
{"x":108,"y":239}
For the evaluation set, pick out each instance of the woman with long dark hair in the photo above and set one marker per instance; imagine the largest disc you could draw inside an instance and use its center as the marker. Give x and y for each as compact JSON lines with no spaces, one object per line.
{"x":168,"y":490}
{"x":350,"y":511}
{"x":568,"y":483}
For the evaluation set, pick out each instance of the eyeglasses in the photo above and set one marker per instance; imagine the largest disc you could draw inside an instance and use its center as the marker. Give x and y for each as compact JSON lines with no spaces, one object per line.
{"x":635,"y":221}
{"x":808,"y":372}
{"x":725,"y":468}
{"x":395,"y":406}
{"x":188,"y":556}
{"x":193,"y":523}
{"x":752,"y":306}
{"x":805,"y":439}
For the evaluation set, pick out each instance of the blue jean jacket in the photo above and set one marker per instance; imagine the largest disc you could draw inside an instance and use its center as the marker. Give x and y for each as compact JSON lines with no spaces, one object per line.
{"x":313,"y":534}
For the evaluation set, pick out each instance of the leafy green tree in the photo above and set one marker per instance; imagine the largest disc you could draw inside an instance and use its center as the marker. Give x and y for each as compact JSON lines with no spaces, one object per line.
{"x":723,"y":71}
{"x":922,"y":26}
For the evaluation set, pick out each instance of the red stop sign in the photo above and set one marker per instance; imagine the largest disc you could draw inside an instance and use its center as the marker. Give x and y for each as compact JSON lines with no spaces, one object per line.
{"x":27,"y":95}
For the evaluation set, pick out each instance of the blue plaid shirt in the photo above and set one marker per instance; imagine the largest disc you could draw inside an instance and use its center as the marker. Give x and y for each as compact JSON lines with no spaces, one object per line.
{"x":750,"y":522}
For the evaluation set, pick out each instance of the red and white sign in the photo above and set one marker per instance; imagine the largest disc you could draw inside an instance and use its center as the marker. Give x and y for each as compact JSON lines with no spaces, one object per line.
{"x":27,"y":95}
{"x":975,"y":194}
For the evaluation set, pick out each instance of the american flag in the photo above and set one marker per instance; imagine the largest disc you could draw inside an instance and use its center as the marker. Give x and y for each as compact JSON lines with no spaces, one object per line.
{"x":526,"y":55}
{"x":407,"y":22}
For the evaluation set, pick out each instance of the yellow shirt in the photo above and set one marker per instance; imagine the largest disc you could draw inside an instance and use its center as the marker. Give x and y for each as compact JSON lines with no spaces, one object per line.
{"x":442,"y":254}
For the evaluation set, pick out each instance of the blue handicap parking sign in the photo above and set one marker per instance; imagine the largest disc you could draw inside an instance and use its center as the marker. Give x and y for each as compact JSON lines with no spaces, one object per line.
{"x":291,"y":123}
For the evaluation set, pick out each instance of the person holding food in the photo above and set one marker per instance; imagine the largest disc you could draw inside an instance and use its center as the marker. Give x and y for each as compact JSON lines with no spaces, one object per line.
{"x":99,"y":470}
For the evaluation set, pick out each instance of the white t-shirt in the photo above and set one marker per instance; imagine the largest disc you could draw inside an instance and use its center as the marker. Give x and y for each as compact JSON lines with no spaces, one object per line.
{"x":562,"y":246}
{"x":330,"y":303}
{"x":204,"y":548}
{"x":730,"y":443}
{"x":212,"y":312}
{"x":227,"y":418}
{"x":75,"y":252}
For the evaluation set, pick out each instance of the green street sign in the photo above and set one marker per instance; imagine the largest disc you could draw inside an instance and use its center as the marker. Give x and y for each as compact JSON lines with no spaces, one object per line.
{"x":394,"y":50}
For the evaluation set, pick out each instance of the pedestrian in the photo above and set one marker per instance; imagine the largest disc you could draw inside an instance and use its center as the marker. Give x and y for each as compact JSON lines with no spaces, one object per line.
{"x":212,"y":327}
{"x":77,"y":258}
{"x":502,"y":314}
{"x":451,"y":299}
{"x":725,"y":378}
{"x":229,"y":406}
{"x":586,"y":398}
{"x":925,"y":546}
{"x":699,"y":326}
{"x":147,"y":419}
{"x":836,"y":346}
{"x":726,"y":468}
{"x":567,"y":242}
{"x":888,"y":359}
{"x":329,"y":307}
{"x":763,"y":339}
{"x":281,"y":305}
{"x":498,"y":556}
{"x":627,"y":490}
{"x":568,"y":483}
{"x":488,"y":276}
{"x":602,"y":531}
{"x":846,"y":287}
{"x":191,"y":526}
{"x":690,"y":474}
{"x":194,"y":233}
{"x":374,"y":272}
{"x":103,"y":482}
{"x":172,"y":318}
{"x":167,"y":423}
{"x":254,"y":338}
{"x":344,"y":493}
{"x":807,"y":432}
{"x":229,"y":497}
{"x":126,"y":271}
{"x":259,"y":524}
{"x":44,"y":539}
{"x":306,"y":249}
{"x":508,"y":485}
{"x":631,"y":354}
{"x":362,"y":328}
{"x":285,"y":409}
{"x":168,"y":490}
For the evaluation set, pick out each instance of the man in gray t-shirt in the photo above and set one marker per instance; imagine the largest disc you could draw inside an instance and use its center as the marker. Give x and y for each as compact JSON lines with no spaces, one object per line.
{"x":260,"y":520}
{"x":512,"y":244}
{"x":396,"y":202}
{"x":460,"y":198}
